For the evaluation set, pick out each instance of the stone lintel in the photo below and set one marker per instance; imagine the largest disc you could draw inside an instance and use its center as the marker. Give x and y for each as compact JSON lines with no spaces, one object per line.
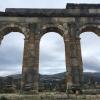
{"x":82,"y":6}
{"x":71,"y":10}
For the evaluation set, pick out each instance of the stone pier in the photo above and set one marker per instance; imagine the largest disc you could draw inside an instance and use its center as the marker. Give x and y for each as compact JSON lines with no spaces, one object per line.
{"x":34,"y":23}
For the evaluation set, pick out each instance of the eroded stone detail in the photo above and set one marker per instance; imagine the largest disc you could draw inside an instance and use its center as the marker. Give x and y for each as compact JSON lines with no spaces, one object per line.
{"x":34,"y":23}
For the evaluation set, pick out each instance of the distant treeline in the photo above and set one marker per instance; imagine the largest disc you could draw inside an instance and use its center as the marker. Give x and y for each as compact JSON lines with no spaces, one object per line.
{"x":56,"y":82}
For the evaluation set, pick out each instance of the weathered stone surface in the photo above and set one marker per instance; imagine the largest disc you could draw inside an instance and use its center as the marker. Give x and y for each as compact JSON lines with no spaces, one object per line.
{"x":49,"y":96}
{"x":34,"y":23}
{"x":80,"y":10}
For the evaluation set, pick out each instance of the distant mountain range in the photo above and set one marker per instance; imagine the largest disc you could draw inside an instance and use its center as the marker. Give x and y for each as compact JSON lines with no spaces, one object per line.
{"x":86,"y":76}
{"x":46,"y":82}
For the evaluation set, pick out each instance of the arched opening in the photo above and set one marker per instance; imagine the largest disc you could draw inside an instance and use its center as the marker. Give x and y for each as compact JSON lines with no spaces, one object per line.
{"x":11,"y":58}
{"x":52,"y":62}
{"x":90,"y":46}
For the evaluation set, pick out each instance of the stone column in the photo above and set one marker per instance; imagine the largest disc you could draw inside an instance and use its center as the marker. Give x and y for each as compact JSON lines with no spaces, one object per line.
{"x":73,"y":62}
{"x":36,"y":62}
{"x":30,"y":66}
{"x":76,"y":61}
{"x":68,"y":63}
{"x":80,"y":63}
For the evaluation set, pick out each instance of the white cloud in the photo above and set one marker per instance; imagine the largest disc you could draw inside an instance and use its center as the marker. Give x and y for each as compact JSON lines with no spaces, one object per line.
{"x":52,"y":54}
{"x":11,"y":53}
{"x":6,"y":73}
{"x":55,"y":56}
{"x":90,"y":51}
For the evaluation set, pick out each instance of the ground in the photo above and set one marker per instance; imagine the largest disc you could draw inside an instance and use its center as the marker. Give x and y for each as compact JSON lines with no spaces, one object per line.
{"x":49,"y":96}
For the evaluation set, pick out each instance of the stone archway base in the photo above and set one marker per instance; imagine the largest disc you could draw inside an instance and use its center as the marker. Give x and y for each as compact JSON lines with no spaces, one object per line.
{"x":48,"y":96}
{"x":34,"y":23}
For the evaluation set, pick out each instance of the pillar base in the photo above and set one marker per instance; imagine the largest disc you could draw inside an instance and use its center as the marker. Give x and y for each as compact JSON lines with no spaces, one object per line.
{"x":31,"y":92}
{"x":73,"y":88}
{"x":29,"y":89}
{"x":69,"y":85}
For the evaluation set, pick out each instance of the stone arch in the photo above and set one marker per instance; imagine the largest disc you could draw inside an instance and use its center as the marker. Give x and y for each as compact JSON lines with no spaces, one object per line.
{"x":52,"y":28}
{"x":89,"y":49}
{"x":55,"y":37}
{"x":13,"y":28}
{"x":89,"y":28}
{"x":54,"y":61}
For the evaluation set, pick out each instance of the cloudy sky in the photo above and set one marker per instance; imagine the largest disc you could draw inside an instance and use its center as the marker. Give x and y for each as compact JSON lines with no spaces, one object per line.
{"x":52,"y":55}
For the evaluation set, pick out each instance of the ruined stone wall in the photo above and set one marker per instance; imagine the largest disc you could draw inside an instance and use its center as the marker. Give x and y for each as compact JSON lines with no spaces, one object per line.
{"x":34,"y":23}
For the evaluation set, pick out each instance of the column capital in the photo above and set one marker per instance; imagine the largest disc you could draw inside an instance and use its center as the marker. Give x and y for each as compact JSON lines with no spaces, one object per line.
{"x":72,"y":39}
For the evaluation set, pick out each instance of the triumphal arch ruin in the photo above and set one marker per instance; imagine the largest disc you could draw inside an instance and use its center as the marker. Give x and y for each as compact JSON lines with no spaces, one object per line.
{"x":34,"y":23}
